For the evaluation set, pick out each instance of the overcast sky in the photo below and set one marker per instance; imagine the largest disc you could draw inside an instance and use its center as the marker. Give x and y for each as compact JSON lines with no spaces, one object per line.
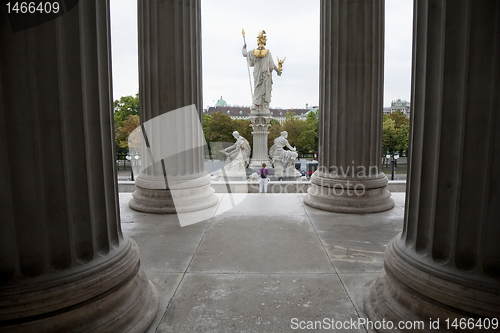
{"x":292,"y":29}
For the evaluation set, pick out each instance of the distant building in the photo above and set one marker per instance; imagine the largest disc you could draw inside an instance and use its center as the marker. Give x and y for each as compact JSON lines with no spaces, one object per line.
{"x":221,"y":102}
{"x":398,"y":105}
{"x":243,"y":112}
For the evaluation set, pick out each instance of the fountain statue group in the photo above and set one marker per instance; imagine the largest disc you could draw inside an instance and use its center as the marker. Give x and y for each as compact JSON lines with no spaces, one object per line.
{"x":238,"y":155}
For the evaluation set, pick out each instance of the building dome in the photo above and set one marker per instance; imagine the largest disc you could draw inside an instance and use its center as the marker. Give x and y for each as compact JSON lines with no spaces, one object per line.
{"x":221,"y":102}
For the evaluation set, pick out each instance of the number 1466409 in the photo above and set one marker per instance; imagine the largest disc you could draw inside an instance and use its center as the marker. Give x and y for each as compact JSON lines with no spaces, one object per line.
{"x":45,"y":7}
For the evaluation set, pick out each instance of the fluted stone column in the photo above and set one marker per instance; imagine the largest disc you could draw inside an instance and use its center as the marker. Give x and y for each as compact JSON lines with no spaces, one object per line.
{"x":64,"y":264}
{"x":446,"y":262}
{"x":349,"y":178}
{"x":170,"y":78}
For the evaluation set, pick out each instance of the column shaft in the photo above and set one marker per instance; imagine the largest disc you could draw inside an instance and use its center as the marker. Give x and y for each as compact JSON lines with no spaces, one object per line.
{"x":446,"y":262}
{"x":63,"y":255}
{"x":170,"y":79}
{"x":260,"y":153}
{"x":349,"y":178}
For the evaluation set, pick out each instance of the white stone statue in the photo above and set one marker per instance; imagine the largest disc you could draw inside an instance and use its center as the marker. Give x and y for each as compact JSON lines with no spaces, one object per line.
{"x":254,"y":177}
{"x":262,"y":62}
{"x":238,"y":155}
{"x":283,"y":160}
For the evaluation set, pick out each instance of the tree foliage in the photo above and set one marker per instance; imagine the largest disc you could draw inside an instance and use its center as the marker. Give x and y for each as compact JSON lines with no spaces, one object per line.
{"x":123,"y":132}
{"x":395,"y":132}
{"x":125,"y":106}
{"x":126,"y":118}
{"x":218,"y":128}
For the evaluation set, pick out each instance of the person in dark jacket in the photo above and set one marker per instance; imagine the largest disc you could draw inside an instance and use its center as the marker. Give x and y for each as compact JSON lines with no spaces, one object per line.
{"x":263,"y":173}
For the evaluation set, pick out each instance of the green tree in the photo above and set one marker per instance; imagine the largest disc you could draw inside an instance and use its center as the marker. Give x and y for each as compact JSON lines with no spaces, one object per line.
{"x":125,"y":106}
{"x":123,"y":132}
{"x":399,"y":118}
{"x":309,"y":139}
{"x":403,"y":133}
{"x":388,"y":134}
{"x":218,"y":130}
{"x":294,"y":127}
{"x":395,"y":132}
{"x":312,"y":117}
{"x":274,"y":132}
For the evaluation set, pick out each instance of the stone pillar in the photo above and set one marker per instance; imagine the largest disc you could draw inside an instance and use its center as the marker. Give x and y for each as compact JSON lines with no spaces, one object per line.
{"x":446,"y":262}
{"x":349,"y":178}
{"x":260,"y":152}
{"x":169,"y":79}
{"x":64,"y":264}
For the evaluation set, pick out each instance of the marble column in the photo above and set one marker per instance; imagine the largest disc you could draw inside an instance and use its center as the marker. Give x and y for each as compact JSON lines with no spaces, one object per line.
{"x":446,"y":262}
{"x":64,"y":264}
{"x":349,"y":178}
{"x":170,"y":78}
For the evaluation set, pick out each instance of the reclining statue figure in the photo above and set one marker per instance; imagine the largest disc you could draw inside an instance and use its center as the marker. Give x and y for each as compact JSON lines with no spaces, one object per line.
{"x":238,"y":155}
{"x":283,"y":160}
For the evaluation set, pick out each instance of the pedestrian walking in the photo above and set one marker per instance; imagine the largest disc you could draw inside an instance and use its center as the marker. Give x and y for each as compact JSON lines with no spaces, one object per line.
{"x":263,"y":173}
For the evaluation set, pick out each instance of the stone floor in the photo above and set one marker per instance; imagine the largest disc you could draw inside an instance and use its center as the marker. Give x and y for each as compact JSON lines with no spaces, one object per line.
{"x":258,"y":261}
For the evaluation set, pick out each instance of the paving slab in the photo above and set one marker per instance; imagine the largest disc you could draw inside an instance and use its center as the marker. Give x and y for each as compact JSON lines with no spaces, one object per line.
{"x":357,"y":286}
{"x":235,"y":244}
{"x":166,"y":284}
{"x":124,"y":198}
{"x":261,"y":204}
{"x":356,"y":243}
{"x":165,"y":246}
{"x":257,"y":303}
{"x":399,"y":199}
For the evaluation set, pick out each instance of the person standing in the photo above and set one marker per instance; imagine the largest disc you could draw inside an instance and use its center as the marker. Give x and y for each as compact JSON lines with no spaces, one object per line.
{"x":263,"y":173}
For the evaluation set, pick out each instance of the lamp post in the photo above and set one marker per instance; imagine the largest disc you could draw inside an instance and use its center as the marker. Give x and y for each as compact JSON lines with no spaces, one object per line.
{"x":136,"y":160}
{"x":394,"y":160}
{"x":387,"y":159}
{"x":129,"y":158}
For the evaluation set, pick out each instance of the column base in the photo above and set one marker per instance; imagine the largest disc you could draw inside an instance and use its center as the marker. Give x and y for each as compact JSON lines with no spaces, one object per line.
{"x":403,"y":292}
{"x":257,"y":163}
{"x":182,"y":196}
{"x":111,"y":297}
{"x":344,"y":195}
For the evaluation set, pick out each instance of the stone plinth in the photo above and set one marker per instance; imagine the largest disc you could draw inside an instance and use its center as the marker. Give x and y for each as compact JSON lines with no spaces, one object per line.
{"x":349,"y":178}
{"x":65,"y":265}
{"x":260,"y":153}
{"x":170,"y":82}
{"x":446,"y":263}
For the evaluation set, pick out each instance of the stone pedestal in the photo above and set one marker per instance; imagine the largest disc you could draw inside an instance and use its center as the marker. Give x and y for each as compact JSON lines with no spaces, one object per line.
{"x":446,"y":263}
{"x":349,"y":178}
{"x":170,"y":81}
{"x":260,"y":153}
{"x":64,"y":265}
